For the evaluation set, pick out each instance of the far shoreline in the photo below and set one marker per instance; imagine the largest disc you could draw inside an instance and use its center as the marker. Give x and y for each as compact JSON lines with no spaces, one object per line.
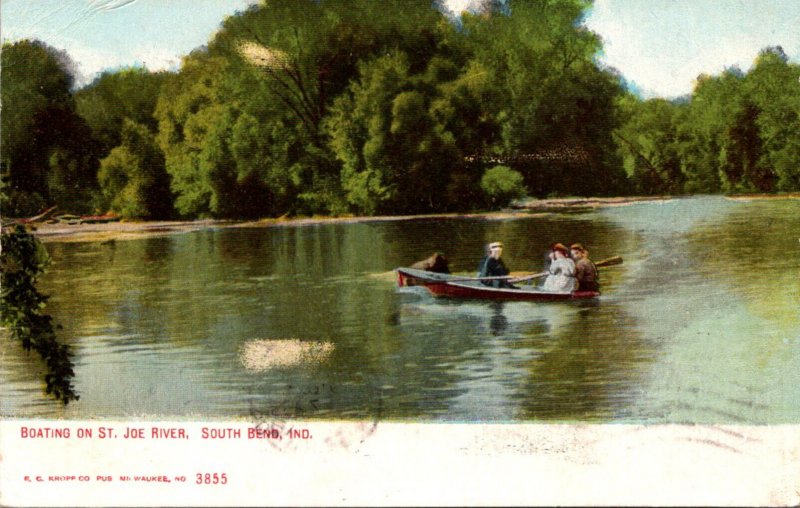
{"x":131,"y":230}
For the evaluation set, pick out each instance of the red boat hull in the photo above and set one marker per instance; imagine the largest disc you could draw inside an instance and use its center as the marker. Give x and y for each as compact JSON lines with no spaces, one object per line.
{"x":456,"y":287}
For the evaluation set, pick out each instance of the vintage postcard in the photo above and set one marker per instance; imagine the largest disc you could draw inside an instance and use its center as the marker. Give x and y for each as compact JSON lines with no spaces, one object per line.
{"x":400,"y":252}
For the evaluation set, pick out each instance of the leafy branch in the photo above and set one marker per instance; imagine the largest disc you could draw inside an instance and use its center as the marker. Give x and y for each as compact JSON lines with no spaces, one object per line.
{"x":22,"y":261}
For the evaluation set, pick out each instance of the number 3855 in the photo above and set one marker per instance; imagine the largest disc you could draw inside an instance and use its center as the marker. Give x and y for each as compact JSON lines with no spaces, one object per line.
{"x":211,"y":479}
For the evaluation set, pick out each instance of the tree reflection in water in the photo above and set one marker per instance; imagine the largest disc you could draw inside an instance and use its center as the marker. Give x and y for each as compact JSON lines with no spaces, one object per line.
{"x":592,"y":369}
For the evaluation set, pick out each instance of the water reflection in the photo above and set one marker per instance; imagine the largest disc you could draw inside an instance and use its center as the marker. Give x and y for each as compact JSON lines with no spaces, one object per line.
{"x":499,"y":322}
{"x":591,"y":370}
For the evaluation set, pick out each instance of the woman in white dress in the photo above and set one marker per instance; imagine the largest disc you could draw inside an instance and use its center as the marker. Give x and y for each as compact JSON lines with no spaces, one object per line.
{"x":562,"y":270}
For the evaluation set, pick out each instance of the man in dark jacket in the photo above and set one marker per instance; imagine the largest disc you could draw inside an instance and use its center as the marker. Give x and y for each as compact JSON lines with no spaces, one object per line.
{"x":585,"y":270}
{"x":493,"y":266}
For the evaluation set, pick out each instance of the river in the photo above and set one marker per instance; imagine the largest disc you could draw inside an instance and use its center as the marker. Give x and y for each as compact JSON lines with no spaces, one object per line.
{"x":700,"y":324}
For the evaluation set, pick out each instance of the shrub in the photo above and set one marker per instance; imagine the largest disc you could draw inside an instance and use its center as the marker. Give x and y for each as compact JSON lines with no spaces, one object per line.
{"x":502,"y":184}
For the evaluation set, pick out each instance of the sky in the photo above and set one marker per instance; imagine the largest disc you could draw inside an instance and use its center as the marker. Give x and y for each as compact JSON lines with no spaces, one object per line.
{"x":659,"y":46}
{"x":663,"y":45}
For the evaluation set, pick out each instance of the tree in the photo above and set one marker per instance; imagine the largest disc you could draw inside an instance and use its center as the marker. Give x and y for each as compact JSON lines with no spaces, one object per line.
{"x":113,"y":97}
{"x":502,"y":184}
{"x":395,"y":156}
{"x":358,"y":128}
{"x":741,"y":149}
{"x":46,"y":145}
{"x":133,"y":178}
{"x":204,"y":134}
{"x":647,"y":143}
{"x":307,"y":52}
{"x":552,"y":108}
{"x":772,"y":86}
{"x":738,"y":132}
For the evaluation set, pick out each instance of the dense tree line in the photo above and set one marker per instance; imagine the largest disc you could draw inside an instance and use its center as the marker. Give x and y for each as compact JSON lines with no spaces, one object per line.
{"x":46,"y":153}
{"x":736,"y":133}
{"x":356,"y":106}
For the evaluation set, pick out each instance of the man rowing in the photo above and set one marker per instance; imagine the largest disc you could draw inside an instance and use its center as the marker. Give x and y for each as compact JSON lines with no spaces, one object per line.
{"x":585,"y":269}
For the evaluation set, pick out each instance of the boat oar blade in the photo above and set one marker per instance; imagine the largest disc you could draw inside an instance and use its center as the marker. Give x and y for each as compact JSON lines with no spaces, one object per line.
{"x":616,"y":260}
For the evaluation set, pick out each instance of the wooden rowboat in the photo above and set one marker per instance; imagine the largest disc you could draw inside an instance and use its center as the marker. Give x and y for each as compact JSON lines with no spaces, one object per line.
{"x":454,"y":286}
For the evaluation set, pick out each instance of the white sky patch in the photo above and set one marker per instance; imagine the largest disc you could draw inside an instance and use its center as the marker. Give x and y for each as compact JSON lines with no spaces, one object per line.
{"x":111,"y":34}
{"x":458,"y":6}
{"x":663,"y":45}
{"x":91,"y":61}
{"x":157,"y":58}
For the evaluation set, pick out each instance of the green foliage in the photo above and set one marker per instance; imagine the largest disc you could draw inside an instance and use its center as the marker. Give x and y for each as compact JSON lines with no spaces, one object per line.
{"x":201,"y":132}
{"x":550,"y":110}
{"x":741,"y":150}
{"x":647,"y":146}
{"x":502,"y":184}
{"x":23,"y":260}
{"x":773,"y":86}
{"x":112,"y":98}
{"x":133,"y":178}
{"x":737,"y":133}
{"x":358,"y":126}
{"x":307,"y":54}
{"x":342,"y":106}
{"x":45,"y":143}
{"x":395,"y":155}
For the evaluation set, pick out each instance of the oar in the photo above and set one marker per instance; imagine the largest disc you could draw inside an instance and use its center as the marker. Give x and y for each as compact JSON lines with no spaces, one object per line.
{"x":616,"y":260}
{"x":520,"y":276}
{"x":528,"y":277}
{"x":467,"y":279}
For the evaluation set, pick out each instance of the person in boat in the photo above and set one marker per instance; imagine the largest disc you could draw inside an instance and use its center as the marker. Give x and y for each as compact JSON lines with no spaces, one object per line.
{"x":437,"y":263}
{"x":493,"y":266}
{"x":561,"y":271}
{"x":585,"y":269}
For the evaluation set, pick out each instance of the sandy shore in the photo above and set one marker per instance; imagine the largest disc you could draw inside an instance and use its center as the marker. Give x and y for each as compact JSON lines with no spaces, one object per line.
{"x":754,"y":197}
{"x":562,"y":203}
{"x":101,"y":232}
{"x":124,"y":230}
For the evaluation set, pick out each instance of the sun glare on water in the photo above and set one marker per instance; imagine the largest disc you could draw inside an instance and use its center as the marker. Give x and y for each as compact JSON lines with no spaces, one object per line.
{"x":265,"y":354}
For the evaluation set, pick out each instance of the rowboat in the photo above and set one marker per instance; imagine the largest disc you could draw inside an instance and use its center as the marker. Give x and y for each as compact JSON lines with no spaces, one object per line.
{"x":454,"y":286}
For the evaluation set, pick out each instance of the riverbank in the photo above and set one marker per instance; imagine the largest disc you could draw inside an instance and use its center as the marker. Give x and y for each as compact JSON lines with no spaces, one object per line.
{"x":125,"y":230}
{"x":758,"y":197}
{"x":561,"y":204}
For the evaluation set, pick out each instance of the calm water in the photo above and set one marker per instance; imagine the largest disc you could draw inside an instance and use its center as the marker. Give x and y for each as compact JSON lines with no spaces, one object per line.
{"x":700,"y":324}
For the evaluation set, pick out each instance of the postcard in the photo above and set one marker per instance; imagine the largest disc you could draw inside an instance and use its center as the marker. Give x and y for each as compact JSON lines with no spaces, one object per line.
{"x":361,"y":252}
